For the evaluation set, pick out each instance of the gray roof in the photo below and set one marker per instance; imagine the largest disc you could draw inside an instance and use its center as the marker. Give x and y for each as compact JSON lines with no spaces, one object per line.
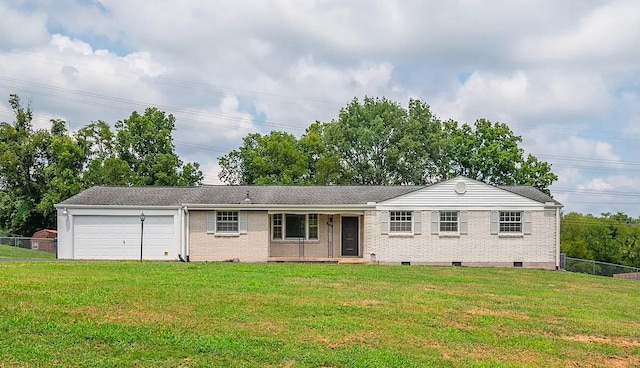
{"x":266,"y":195}
{"x":529,"y":192}
{"x":227,"y":194}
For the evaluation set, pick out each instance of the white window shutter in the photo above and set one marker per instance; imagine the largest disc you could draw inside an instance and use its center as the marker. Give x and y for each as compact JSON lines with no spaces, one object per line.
{"x":417,"y":222}
{"x":211,"y":221}
{"x":242,"y":222}
{"x":526,"y":223}
{"x":495,"y":222}
{"x":435,"y":222}
{"x":464,"y":226}
{"x":384,"y":222}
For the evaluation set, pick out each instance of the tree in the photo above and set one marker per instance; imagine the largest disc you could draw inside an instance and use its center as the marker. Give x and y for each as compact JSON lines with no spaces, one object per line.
{"x":104,"y":167}
{"x":65,"y":161}
{"x":145,"y":144}
{"x":39,"y":168}
{"x":276,"y":158}
{"x":613,"y":238}
{"x":366,"y":139}
{"x":378,"y":142}
{"x":489,"y":152}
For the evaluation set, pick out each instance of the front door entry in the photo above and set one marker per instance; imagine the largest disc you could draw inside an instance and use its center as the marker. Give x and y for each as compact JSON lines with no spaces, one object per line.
{"x":350,"y":236}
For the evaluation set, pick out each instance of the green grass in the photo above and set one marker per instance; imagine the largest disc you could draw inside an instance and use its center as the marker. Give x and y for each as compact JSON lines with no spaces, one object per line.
{"x":123,"y":314}
{"x":7,"y":251}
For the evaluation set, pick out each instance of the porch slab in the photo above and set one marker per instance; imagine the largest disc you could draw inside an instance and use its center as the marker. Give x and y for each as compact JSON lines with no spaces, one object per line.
{"x":341,"y":260}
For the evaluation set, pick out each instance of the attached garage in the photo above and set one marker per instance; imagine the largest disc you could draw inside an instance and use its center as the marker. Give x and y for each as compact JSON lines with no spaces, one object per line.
{"x":118,"y":237}
{"x":90,"y":228}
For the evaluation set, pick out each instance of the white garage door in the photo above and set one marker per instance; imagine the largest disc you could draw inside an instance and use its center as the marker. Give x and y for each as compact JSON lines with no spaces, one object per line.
{"x":118,"y":237}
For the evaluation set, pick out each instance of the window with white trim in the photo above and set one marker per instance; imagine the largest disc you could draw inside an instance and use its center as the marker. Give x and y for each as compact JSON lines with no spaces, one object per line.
{"x":400,"y":221}
{"x":313,"y":226}
{"x":449,"y":221}
{"x":227,"y":221}
{"x":294,"y":226}
{"x":277,"y":226}
{"x":510,"y":221}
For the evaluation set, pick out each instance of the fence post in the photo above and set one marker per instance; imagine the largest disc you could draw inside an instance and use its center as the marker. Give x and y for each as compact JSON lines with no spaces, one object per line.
{"x":594,"y":267}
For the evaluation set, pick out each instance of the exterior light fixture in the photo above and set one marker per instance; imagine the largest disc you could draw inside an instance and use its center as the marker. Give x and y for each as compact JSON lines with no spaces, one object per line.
{"x":142,"y":218}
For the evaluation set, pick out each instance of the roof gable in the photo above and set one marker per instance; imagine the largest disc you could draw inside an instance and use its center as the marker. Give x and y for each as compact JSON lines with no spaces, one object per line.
{"x":462,"y":192}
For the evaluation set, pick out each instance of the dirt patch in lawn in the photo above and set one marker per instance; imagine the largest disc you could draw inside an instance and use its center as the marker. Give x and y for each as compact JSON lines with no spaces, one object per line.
{"x":617,"y":341}
{"x":111,"y":314}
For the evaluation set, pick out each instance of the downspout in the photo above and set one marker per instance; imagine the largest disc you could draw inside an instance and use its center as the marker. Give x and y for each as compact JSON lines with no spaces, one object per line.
{"x":558,"y":238}
{"x":187,"y":234}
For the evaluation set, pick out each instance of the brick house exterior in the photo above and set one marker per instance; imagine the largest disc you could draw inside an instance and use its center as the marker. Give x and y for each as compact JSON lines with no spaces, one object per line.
{"x":455,"y":222}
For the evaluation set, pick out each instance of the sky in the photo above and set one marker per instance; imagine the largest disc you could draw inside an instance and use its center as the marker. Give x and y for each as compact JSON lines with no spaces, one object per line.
{"x":564,"y":75}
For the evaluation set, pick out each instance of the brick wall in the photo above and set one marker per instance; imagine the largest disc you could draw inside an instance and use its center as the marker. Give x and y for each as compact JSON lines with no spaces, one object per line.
{"x":250,"y":247}
{"x":477,"y":248}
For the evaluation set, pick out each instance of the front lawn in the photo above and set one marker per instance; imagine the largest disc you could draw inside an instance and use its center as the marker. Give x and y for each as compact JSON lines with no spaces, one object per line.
{"x":151,"y":314}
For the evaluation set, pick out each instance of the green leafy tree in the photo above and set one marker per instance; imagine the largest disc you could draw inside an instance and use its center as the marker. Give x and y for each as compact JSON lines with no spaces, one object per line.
{"x":145,"y":143}
{"x":21,"y":170}
{"x":39,"y":168}
{"x":490,"y":152}
{"x":65,"y":160}
{"x":613,"y":238}
{"x":276,"y":158}
{"x":104,"y":167}
{"x":378,"y":142}
{"x":366,"y":138}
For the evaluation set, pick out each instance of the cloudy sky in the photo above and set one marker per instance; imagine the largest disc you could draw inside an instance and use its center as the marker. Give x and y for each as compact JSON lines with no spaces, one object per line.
{"x":565,"y":75}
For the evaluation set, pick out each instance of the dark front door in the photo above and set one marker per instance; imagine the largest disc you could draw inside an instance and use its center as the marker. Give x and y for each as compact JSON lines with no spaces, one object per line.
{"x":350,"y":236}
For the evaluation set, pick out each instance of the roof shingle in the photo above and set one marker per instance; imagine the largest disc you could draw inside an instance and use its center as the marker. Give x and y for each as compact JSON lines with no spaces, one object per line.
{"x":266,"y":195}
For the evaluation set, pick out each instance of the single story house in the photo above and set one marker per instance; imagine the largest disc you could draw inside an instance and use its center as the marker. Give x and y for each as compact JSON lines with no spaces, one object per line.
{"x":455,"y":222}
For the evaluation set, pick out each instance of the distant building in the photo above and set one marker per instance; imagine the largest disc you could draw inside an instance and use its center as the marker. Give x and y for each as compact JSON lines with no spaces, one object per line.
{"x":44,"y":240}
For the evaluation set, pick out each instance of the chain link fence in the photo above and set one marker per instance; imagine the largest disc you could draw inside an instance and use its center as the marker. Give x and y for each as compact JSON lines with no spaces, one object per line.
{"x":599,"y":268}
{"x":13,"y":246}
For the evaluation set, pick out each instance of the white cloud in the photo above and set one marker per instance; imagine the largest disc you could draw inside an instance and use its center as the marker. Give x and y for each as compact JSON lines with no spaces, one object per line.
{"x":561,"y":74}
{"x":609,"y":33}
{"x":21,"y":30}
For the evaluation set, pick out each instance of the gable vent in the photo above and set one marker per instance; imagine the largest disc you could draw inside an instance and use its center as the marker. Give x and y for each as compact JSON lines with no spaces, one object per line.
{"x":461,"y":187}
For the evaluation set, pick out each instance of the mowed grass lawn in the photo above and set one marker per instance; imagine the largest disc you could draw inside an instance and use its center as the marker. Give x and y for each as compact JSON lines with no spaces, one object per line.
{"x":123,"y":314}
{"x":7,"y":251}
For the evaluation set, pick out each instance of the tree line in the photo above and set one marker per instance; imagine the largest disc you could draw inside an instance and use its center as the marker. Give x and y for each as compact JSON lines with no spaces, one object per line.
{"x":379,"y":142}
{"x":613,"y":238}
{"x":39,"y":168}
{"x":372,"y":142}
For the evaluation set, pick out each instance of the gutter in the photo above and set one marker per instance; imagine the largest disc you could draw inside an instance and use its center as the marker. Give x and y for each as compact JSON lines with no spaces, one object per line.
{"x":558,"y":238}
{"x":280,"y":207}
{"x":123,"y":207}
